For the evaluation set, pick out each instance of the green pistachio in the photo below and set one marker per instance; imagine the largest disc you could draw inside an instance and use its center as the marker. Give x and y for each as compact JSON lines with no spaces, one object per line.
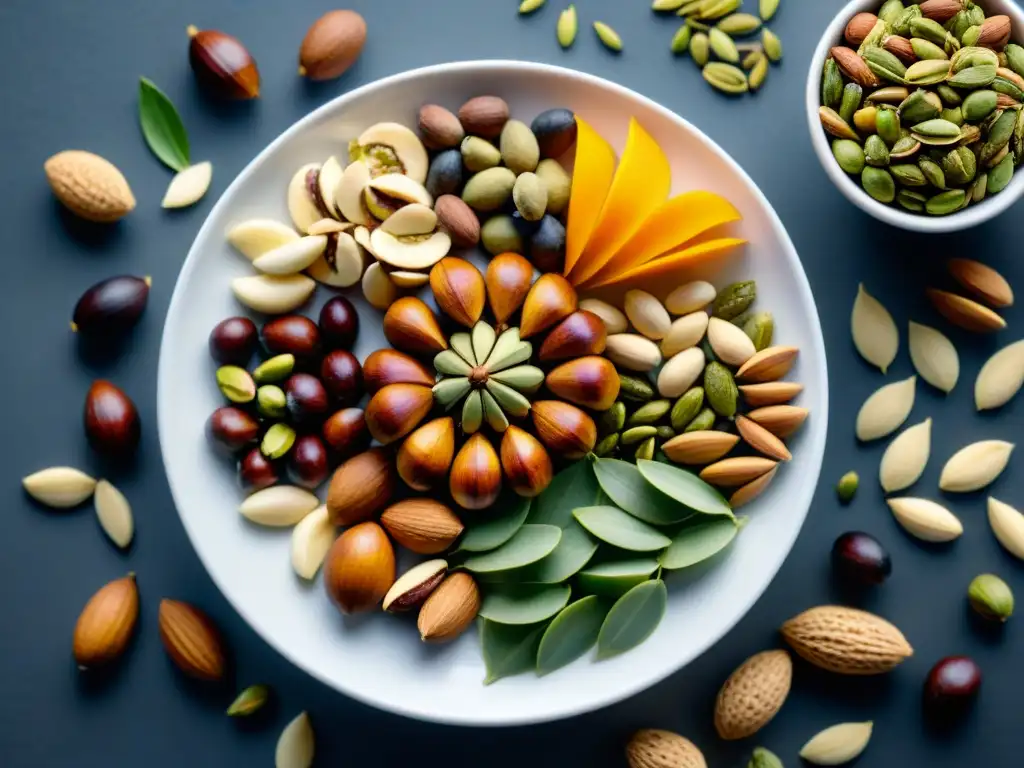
{"x":887,"y":124}
{"x":702,"y":421}
{"x":649,"y":413}
{"x":607,"y":444}
{"x":720,"y":389}
{"x":686,"y":408}
{"x":772,"y":46}
{"x":918,"y":107}
{"x":974,"y":77}
{"x":271,"y":401}
{"x":901,"y":26}
{"x":891,"y":11}
{"x":1000,"y":176}
{"x":932,"y":172}
{"x":926,"y":49}
{"x":636,"y":434}
{"x":277,"y":368}
{"x":734,"y":299}
{"x":950,"y":96}
{"x":1015,"y":58}
{"x":878,"y":183}
{"x":991,"y":597}
{"x":700,"y":49}
{"x":852,"y":95}
{"x":912,"y":201}
{"x":612,"y":420}
{"x":980,"y":188}
{"x":665,"y":432}
{"x":847,"y":486}
{"x":645,"y":451}
{"x":875,"y":151}
{"x":849,"y":155}
{"x":884,"y":64}
{"x":959,"y":166}
{"x":760,"y":327}
{"x":249,"y":701}
{"x":635,"y":389}
{"x":947,"y":202}
{"x":905,"y":148}
{"x":681,"y":40}
{"x":236,"y":384}
{"x":762,"y":758}
{"x":277,"y":441}
{"x":1008,"y":87}
{"x":831,"y":84}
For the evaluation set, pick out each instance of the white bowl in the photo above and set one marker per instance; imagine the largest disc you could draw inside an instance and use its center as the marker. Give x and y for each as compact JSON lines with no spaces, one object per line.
{"x":379,"y":659}
{"x":972,"y":215}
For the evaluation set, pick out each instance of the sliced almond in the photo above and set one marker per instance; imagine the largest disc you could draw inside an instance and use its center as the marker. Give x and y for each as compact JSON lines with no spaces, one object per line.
{"x":925,"y":519}
{"x":401,"y":187}
{"x":983,"y":281}
{"x":362,"y":237}
{"x":273,"y":295}
{"x":1000,"y":378}
{"x":964,"y":312}
{"x":413,"y":253}
{"x":761,"y":440}
{"x":781,"y":420}
{"x":647,"y":314}
{"x":975,"y":466}
{"x":633,"y":352}
{"x":731,"y":473}
{"x":838,"y":744}
{"x":690,"y":297}
{"x":685,"y":332}
{"x":328,"y":180}
{"x":905,"y":459}
{"x":874,"y":330}
{"x":296,"y":745}
{"x":747,"y":493}
{"x":378,"y":288}
{"x":700,"y":447}
{"x":255,"y":237}
{"x":312,"y":538}
{"x":885,"y":411}
{"x":279,"y":506}
{"x":59,"y":487}
{"x":614,"y":320}
{"x":404,"y":142}
{"x":770,"y":393}
{"x":188,"y":186}
{"x":301,"y":207}
{"x":729,"y":342}
{"x":341,"y":263}
{"x":293,"y":257}
{"x":934,"y":357}
{"x":769,"y":364}
{"x":329,"y":226}
{"x":114,"y":513}
{"x":1008,"y":526}
{"x":681,"y":372}
{"x":405,"y":279}
{"x":413,"y":219}
{"x":349,"y":193}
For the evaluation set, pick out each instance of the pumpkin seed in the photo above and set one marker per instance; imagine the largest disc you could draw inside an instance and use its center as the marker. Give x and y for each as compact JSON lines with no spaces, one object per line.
{"x":772,"y":46}
{"x":878,"y":183}
{"x":722,"y":45}
{"x":608,"y":36}
{"x":681,"y":39}
{"x":758,"y":72}
{"x":571,"y":634}
{"x":726,"y":78}
{"x":852,"y":97}
{"x":946,"y":202}
{"x":529,"y":6}
{"x":627,"y":488}
{"x":698,"y":541}
{"x":613,"y":526}
{"x":523,"y":604}
{"x":739,"y":24}
{"x":686,"y":408}
{"x":684,"y":487}
{"x":567,"y":27}
{"x":509,"y":649}
{"x":850,"y":155}
{"x":632,"y":619}
{"x":831,"y":84}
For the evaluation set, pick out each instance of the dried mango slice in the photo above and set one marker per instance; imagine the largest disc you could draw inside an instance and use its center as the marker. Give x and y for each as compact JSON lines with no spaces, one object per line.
{"x":673,"y":225}
{"x":686,"y":258}
{"x":592,"y":175}
{"x":642,"y":182}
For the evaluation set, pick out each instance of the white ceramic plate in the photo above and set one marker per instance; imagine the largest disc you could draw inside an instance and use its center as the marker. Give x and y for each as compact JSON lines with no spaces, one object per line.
{"x":379,"y":659}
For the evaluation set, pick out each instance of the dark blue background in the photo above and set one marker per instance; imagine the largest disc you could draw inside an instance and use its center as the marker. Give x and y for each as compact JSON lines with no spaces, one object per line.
{"x":70,"y":73}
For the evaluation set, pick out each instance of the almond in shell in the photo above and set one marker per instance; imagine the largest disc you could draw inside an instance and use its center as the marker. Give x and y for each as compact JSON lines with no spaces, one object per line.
{"x":191,"y":640}
{"x":847,"y":641}
{"x":423,"y":526}
{"x":89,"y":186}
{"x":106,"y":624}
{"x":761,"y":439}
{"x":699,"y":447}
{"x":753,"y":694}
{"x":653,"y":748}
{"x":450,"y":609}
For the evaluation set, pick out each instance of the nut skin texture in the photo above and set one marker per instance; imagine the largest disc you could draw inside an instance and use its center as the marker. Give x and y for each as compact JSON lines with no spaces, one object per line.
{"x":456,"y":218}
{"x":423,"y":526}
{"x":426,"y":454}
{"x":233,"y":341}
{"x":439,"y":127}
{"x":484,"y":116}
{"x":389,"y":366}
{"x":550,"y":300}
{"x":292,"y":334}
{"x":342,"y":377}
{"x":361,"y":487}
{"x":414,"y":596}
{"x":192,"y":641}
{"x":332,"y":45}
{"x":860,"y":558}
{"x":847,"y":641}
{"x":581,"y":333}
{"x":951,"y":687}
{"x":411,"y":326}
{"x":111,"y":306}
{"x":345,"y":432}
{"x":307,"y":399}
{"x":590,"y":382}
{"x":508,"y":281}
{"x":450,"y":609}
{"x":111,"y":421}
{"x":89,"y":186}
{"x":232,"y":429}
{"x":753,"y":694}
{"x":256,"y":472}
{"x":653,"y":748}
{"x":222,"y":65}
{"x":308,"y":465}
{"x":475,"y":479}
{"x":397,"y":410}
{"x":526,"y":464}
{"x":359,"y":568}
{"x":564,"y":429}
{"x":107,"y":623}
{"x":339,"y":324}
{"x":458,"y":289}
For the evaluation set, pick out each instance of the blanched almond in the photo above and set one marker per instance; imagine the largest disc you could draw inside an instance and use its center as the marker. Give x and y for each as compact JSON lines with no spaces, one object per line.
{"x":59,"y":487}
{"x":747,"y":493}
{"x":1008,"y":526}
{"x":685,"y":332}
{"x":690,"y":297}
{"x":114,"y":514}
{"x":378,"y":289}
{"x":188,"y":187}
{"x":312,"y":538}
{"x":633,"y":352}
{"x":700,"y":447}
{"x":975,"y":466}
{"x":770,"y":393}
{"x":273,"y":295}
{"x":731,"y":473}
{"x":886,"y":410}
{"x":905,"y":459}
{"x":982,"y":281}
{"x":925,"y":519}
{"x":934,"y":357}
{"x":296,"y":745}
{"x":781,"y":420}
{"x":769,"y":364}
{"x":838,"y":744}
{"x":614,"y":320}
{"x":647,"y":314}
{"x":680,"y":373}
{"x":279,"y":506}
{"x":729,"y":342}
{"x":874,"y":331}
{"x":761,"y":440}
{"x":1000,"y":378}
{"x":255,"y":237}
{"x":293,"y":257}
{"x":301,"y":207}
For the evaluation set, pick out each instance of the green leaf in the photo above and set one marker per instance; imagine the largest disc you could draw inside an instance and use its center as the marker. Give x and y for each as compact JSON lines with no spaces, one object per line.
{"x":573,"y":552}
{"x":509,"y":649}
{"x":572,"y":633}
{"x":616,"y":577}
{"x":632,"y":619}
{"x":162,"y":127}
{"x":696,"y":542}
{"x":489,"y":529}
{"x":523,"y":604}
{"x":528,"y":545}
{"x":628,"y":490}
{"x":573,"y":487}
{"x":685,"y":487}
{"x":613,"y":526}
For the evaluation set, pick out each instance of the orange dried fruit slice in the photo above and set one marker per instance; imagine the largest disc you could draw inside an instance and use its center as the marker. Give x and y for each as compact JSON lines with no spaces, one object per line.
{"x":593,"y":170}
{"x":684,"y":259}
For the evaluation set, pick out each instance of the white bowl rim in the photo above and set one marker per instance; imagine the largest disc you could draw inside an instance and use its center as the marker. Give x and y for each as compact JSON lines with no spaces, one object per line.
{"x":641,"y":681}
{"x":973,"y":215}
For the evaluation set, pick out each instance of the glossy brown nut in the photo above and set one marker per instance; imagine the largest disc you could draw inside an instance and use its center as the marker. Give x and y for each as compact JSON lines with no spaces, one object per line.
{"x":256,"y":472}
{"x":292,"y":334}
{"x":233,"y":341}
{"x":308,"y":465}
{"x":111,"y":306}
{"x":339,"y":324}
{"x":232,"y":428}
{"x":342,"y":377}
{"x":951,"y":687}
{"x":389,"y":366}
{"x":111,"y":421}
{"x":345,"y":432}
{"x":222,"y":64}
{"x":307,"y":399}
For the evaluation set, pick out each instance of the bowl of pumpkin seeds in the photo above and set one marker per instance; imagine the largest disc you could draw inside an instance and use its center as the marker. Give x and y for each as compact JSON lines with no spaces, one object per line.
{"x":915,"y":109}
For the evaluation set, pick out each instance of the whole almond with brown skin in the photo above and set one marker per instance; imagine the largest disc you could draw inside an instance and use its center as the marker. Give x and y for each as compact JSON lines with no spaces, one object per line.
{"x":458,"y":220}
{"x":781,"y":420}
{"x":332,"y":45}
{"x":361,"y":487}
{"x":770,"y":393}
{"x":964,"y":312}
{"x":423,"y":526}
{"x":859,"y":27}
{"x":901,"y":48}
{"x":761,"y":440}
{"x":700,"y":447}
{"x":484,"y":116}
{"x":747,"y":493}
{"x":753,"y":694}
{"x":191,"y":640}
{"x":89,"y":186}
{"x":854,"y":67}
{"x":941,"y":10}
{"x":653,"y":748}
{"x":222,"y":64}
{"x":450,"y":609}
{"x":731,"y":473}
{"x":995,"y":32}
{"x":769,"y":364}
{"x":983,"y":281}
{"x":439,"y":127}
{"x":107,"y":623}
{"x":846,"y":640}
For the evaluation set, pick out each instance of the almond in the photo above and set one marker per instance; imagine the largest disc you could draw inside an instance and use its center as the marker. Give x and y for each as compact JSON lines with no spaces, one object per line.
{"x":1008,"y":526}
{"x":89,"y":186}
{"x":941,"y":10}
{"x":770,"y":393}
{"x":458,"y":220}
{"x":934,"y":357}
{"x":975,"y":466}
{"x":846,"y":640}
{"x":995,"y":32}
{"x":690,"y":297}
{"x":837,"y":745}
{"x":859,"y":27}
{"x":925,"y":520}
{"x":191,"y":640}
{"x":361,"y":487}
{"x":1000,"y":378}
{"x":731,"y":473}
{"x":439,"y":127}
{"x":59,"y":487}
{"x":769,"y":364}
{"x":296,"y":746}
{"x":188,"y":187}
{"x":729,"y":342}
{"x":901,"y":48}
{"x":312,"y":538}
{"x":886,"y":409}
{"x":653,"y":748}
{"x":761,"y":440}
{"x":450,"y":609}
{"x":747,"y":493}
{"x":905,"y":459}
{"x":647,"y":314}
{"x":633,"y":352}
{"x":413,"y":587}
{"x":983,"y":281}
{"x":854,"y":67}
{"x":484,"y":116}
{"x":106,"y":623}
{"x":700,"y":447}
{"x":332,"y":45}
{"x":279,"y":506}
{"x":685,"y":332}
{"x":964,"y":312}
{"x":114,"y":513}
{"x":753,"y":694}
{"x":423,"y":526}
{"x":781,"y":420}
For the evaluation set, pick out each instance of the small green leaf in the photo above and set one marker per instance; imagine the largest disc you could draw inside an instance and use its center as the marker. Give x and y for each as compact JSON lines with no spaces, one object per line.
{"x":616,"y":577}
{"x":613,"y":526}
{"x":489,"y":529}
{"x":628,"y":490}
{"x":685,"y":487}
{"x":698,"y":541}
{"x":528,"y":545}
{"x":573,"y":487}
{"x":509,"y":649}
{"x":572,"y":633}
{"x":523,"y":604}
{"x":573,"y":552}
{"x":162,"y":127}
{"x":632,"y":619}
{"x":249,"y":701}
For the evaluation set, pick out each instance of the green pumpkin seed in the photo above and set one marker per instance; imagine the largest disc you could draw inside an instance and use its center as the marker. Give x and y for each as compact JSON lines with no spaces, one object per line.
{"x":884,"y":64}
{"x":636,"y":434}
{"x":623,"y":531}
{"x":616,"y":577}
{"x":1015,"y":58}
{"x":720,"y":389}
{"x":772,"y":46}
{"x":912,"y":201}
{"x":632,"y":619}
{"x":249,"y":701}
{"x":917,"y":108}
{"x":523,"y":604}
{"x":751,"y":59}
{"x":875,"y":153}
{"x":735,"y":299}
{"x":831,"y":84}
{"x":973,"y":56}
{"x":650,"y":413}
{"x":937,"y":129}
{"x":998,"y":157}
{"x":1001,"y":175}
{"x":612,"y":420}
{"x":767,"y":9}
{"x":852,"y":96}
{"x":927,"y":72}
{"x":890,"y":94}
{"x":901,"y":26}
{"x":575,"y":549}
{"x":878,"y":183}
{"x":681,"y":39}
{"x":1008,"y":87}
{"x":575,"y":486}
{"x":686,"y":408}
{"x":932,"y":172}
{"x":758,"y":72}
{"x":571,"y":634}
{"x":908,"y":175}
{"x":635,"y":389}
{"x":567,"y":27}
{"x":959,"y":166}
{"x":705,"y":419}
{"x":926,"y":49}
{"x":955,"y":116}
{"x":971,"y":35}
{"x":980,"y":188}
{"x":959,"y":24}
{"x":999,"y":135}
{"x":700,"y":49}
{"x":887,"y":124}
{"x":946,"y":202}
{"x":726,"y":77}
{"x":874,"y":37}
{"x":509,"y":649}
{"x":488,"y":532}
{"x":906,"y":147}
{"x":739,"y":24}
{"x":849,"y":155}
{"x":529,"y":6}
{"x":949,"y":96}
{"x":529,"y":544}
{"x":890,"y":11}
{"x":763,"y":758}
{"x":608,"y":36}
{"x":928,"y":29}
{"x":974,"y":77}
{"x":684,"y":487}
{"x":623,"y":483}
{"x":698,"y":541}
{"x":760,"y":328}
